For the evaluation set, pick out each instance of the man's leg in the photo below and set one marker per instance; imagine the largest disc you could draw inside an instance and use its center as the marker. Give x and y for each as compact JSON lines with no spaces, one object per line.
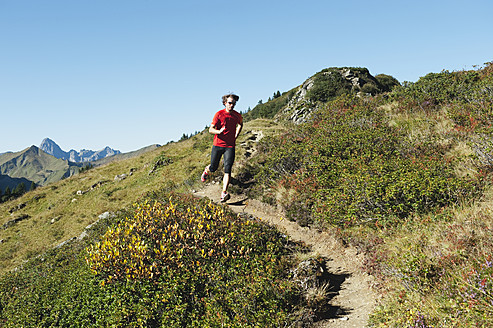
{"x":216,"y":154}
{"x":229,"y":158}
{"x":226,"y":181}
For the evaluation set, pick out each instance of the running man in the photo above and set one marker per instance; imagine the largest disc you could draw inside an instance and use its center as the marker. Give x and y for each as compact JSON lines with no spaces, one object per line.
{"x":226,"y":126}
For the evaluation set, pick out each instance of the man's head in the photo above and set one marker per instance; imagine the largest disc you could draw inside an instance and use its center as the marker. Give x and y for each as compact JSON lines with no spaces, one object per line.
{"x":233,"y":97}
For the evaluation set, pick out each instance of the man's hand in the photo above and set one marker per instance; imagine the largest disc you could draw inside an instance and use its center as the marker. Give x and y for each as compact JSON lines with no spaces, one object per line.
{"x":213,"y":130}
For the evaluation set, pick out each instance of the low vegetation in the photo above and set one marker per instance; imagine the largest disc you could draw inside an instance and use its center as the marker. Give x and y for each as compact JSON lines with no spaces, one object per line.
{"x":159,"y":258}
{"x":350,"y":166}
{"x":406,"y":178}
{"x":271,"y":108}
{"x":402,"y":172}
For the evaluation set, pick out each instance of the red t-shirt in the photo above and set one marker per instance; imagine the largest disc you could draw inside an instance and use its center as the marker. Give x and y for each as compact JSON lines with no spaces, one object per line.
{"x":230,"y":120}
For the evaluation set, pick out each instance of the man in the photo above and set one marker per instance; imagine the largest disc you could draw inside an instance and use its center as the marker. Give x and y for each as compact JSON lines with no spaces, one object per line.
{"x":226,"y":126}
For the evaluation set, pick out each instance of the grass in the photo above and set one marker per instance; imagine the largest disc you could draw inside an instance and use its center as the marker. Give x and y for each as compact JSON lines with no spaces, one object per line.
{"x":58,"y":213}
{"x":428,"y":260}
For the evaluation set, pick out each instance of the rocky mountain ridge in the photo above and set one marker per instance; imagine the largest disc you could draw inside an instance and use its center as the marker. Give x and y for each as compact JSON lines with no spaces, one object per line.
{"x":298,"y":104}
{"x":330,"y":83}
{"x":51,"y":147}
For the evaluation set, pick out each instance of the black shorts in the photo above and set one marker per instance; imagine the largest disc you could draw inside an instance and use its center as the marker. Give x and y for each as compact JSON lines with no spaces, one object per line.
{"x":229,"y":158}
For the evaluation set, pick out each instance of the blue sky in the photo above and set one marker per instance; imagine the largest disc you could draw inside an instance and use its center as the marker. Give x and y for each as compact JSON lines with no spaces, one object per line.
{"x":127,"y":74}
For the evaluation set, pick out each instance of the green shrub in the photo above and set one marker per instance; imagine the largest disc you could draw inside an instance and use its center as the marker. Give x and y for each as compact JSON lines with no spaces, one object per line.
{"x":199,"y":254}
{"x":349,"y":166}
{"x":387,"y":82}
{"x":327,"y":85}
{"x":370,"y":88}
{"x":473,"y":88}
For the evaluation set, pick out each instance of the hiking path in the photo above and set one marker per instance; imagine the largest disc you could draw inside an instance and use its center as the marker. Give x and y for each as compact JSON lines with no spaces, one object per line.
{"x":354,"y":299}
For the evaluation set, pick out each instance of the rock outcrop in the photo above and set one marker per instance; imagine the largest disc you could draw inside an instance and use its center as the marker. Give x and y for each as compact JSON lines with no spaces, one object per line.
{"x":325,"y":85}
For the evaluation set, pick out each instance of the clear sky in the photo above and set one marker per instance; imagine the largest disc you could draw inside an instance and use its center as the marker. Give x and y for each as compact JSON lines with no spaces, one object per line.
{"x":128,"y":74}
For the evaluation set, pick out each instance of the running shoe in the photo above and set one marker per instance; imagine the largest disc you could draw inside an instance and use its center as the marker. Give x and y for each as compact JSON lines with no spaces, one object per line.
{"x":205,"y":175}
{"x":224,"y":196}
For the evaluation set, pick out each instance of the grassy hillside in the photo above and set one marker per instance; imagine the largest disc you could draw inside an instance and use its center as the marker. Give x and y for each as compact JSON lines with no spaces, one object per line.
{"x":128,"y":268}
{"x":62,"y":210}
{"x":406,"y":177}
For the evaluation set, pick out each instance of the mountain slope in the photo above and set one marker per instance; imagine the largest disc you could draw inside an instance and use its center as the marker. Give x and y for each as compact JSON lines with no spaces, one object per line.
{"x":6,"y":181}
{"x":122,"y":156}
{"x":35,"y":165}
{"x":62,"y":210}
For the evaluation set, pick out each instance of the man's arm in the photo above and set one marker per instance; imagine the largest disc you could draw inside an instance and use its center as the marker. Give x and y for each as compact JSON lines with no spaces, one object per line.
{"x":213,"y":130}
{"x":238,"y":129}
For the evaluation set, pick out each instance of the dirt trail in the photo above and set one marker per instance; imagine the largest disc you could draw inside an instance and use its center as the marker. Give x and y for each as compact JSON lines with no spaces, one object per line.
{"x":354,"y":300}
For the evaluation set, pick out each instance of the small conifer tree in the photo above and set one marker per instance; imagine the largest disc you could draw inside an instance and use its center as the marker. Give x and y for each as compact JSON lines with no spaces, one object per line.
{"x":19,"y":189}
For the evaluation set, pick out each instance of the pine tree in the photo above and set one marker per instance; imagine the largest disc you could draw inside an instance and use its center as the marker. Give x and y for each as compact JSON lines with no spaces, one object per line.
{"x":19,"y":189}
{"x":33,"y":185}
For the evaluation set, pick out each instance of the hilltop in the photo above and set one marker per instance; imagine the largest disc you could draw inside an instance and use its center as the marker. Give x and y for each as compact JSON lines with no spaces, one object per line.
{"x":299,"y":103}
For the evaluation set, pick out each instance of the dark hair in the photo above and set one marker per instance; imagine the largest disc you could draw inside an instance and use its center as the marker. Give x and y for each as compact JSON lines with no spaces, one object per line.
{"x":232,"y":95}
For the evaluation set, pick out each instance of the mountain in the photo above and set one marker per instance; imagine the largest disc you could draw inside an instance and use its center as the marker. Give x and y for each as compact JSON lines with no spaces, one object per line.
{"x":50,"y":163}
{"x":51,"y":147}
{"x":35,"y":165}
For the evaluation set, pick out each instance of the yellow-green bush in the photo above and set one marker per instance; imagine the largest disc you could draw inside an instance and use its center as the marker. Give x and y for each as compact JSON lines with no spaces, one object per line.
{"x":209,"y":266}
{"x":161,"y":237}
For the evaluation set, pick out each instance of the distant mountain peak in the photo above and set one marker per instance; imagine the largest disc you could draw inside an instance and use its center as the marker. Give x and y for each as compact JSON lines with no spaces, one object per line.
{"x":32,"y":149}
{"x":50,"y":147}
{"x":47,"y":140}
